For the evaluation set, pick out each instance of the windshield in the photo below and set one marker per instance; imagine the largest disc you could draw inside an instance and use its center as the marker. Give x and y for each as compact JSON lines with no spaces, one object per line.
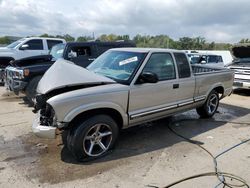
{"x":117,"y":65}
{"x":14,"y":44}
{"x":57,"y":51}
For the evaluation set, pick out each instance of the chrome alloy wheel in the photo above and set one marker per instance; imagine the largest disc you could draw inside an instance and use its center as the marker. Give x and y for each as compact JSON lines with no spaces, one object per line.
{"x":212,"y":103}
{"x":97,"y":140}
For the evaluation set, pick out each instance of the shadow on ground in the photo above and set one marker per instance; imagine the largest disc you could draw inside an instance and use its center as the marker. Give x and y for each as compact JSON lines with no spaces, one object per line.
{"x":242,"y":92}
{"x":156,"y":135}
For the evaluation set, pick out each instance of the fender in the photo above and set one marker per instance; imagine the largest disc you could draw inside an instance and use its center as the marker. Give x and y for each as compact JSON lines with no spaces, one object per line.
{"x":215,"y":86}
{"x":84,"y":108}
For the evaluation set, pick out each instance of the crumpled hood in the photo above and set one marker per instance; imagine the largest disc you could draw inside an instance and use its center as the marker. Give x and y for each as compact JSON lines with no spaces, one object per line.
{"x":241,"y":51}
{"x":65,"y":74}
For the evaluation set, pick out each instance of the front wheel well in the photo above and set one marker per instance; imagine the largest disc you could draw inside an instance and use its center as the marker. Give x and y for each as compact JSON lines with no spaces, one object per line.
{"x":107,"y":111}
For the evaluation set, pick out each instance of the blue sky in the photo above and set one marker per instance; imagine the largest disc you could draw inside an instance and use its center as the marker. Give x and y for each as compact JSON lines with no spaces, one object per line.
{"x":216,"y":20}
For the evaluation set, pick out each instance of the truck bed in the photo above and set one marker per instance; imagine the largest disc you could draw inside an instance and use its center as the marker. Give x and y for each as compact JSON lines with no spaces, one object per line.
{"x":199,"y":69}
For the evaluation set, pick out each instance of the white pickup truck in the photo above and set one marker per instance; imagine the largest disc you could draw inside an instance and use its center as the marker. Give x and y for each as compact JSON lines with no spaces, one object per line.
{"x":241,"y":67}
{"x":25,"y":47}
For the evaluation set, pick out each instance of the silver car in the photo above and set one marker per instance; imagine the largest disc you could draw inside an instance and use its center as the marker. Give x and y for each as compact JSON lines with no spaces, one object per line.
{"x":120,"y":89}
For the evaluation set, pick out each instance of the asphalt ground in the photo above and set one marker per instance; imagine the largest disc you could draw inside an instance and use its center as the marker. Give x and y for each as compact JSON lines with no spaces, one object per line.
{"x":149,"y":155}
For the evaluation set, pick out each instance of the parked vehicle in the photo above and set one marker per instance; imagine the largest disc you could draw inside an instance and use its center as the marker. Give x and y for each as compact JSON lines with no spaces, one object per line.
{"x":23,"y":48}
{"x":241,"y":66}
{"x":120,"y":89}
{"x":225,"y":54}
{"x":210,"y":60}
{"x":24,"y":74}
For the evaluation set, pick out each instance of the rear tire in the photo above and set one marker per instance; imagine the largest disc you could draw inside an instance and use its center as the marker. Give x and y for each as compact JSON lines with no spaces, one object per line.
{"x":30,"y":90}
{"x":93,"y":137}
{"x":210,"y":106}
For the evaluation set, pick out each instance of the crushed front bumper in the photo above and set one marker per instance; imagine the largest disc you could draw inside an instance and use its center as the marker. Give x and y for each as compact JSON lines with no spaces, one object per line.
{"x":241,"y":84}
{"x":18,"y":86}
{"x":43,"y":131}
{"x":14,"y":84}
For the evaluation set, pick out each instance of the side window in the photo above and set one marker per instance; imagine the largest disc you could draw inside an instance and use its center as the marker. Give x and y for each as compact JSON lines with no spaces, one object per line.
{"x":83,"y":51}
{"x":182,"y":65}
{"x":213,"y":59}
{"x":35,"y":44}
{"x":220,"y":59}
{"x":161,"y":64}
{"x":52,"y":43}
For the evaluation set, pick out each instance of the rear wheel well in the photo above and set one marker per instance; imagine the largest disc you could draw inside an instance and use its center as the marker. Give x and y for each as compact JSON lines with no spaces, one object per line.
{"x":114,"y":114}
{"x":219,"y":90}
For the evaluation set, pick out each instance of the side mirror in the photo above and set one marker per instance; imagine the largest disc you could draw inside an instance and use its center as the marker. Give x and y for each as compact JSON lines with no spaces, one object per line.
{"x":24,"y":47}
{"x":148,"y":77}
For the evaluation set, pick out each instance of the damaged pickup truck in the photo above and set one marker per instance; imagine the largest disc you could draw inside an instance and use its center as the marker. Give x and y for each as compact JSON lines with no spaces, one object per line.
{"x":241,"y":67}
{"x":122,"y":88}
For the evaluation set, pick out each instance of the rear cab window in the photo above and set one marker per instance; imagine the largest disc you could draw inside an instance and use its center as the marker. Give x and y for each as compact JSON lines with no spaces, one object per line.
{"x":52,"y":43}
{"x":183,"y":66}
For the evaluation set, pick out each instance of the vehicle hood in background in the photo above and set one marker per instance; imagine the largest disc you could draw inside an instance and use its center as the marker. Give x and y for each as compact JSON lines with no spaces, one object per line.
{"x":6,"y":52}
{"x":64,"y":74}
{"x":4,"y":49}
{"x":41,"y":59}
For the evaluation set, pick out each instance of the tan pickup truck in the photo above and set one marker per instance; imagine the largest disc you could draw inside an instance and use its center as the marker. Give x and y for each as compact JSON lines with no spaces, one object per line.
{"x":123,"y":88}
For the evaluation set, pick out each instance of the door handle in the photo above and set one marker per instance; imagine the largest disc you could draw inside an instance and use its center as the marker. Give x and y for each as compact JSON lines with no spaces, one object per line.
{"x":91,"y":59}
{"x":175,"y":86}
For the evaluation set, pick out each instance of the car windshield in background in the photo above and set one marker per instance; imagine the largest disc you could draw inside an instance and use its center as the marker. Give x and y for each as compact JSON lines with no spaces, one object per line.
{"x":57,"y":51}
{"x":14,"y":44}
{"x":117,"y":65}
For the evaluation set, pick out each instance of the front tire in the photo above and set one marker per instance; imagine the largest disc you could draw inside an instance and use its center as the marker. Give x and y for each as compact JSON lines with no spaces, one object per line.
{"x":93,"y":137}
{"x":210,"y":106}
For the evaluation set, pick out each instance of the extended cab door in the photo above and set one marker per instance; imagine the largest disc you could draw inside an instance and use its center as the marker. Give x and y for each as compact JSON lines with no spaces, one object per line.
{"x":186,"y":82}
{"x":151,"y":100}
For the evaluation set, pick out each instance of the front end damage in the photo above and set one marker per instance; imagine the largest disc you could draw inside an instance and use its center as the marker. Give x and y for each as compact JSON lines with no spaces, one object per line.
{"x":241,"y":66}
{"x":61,"y":77}
{"x":44,"y":124}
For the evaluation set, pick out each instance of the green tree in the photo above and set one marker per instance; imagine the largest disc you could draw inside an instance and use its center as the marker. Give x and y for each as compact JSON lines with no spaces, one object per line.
{"x":4,"y":40}
{"x":47,"y":35}
{"x":84,"y":39}
{"x":244,"y":41}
